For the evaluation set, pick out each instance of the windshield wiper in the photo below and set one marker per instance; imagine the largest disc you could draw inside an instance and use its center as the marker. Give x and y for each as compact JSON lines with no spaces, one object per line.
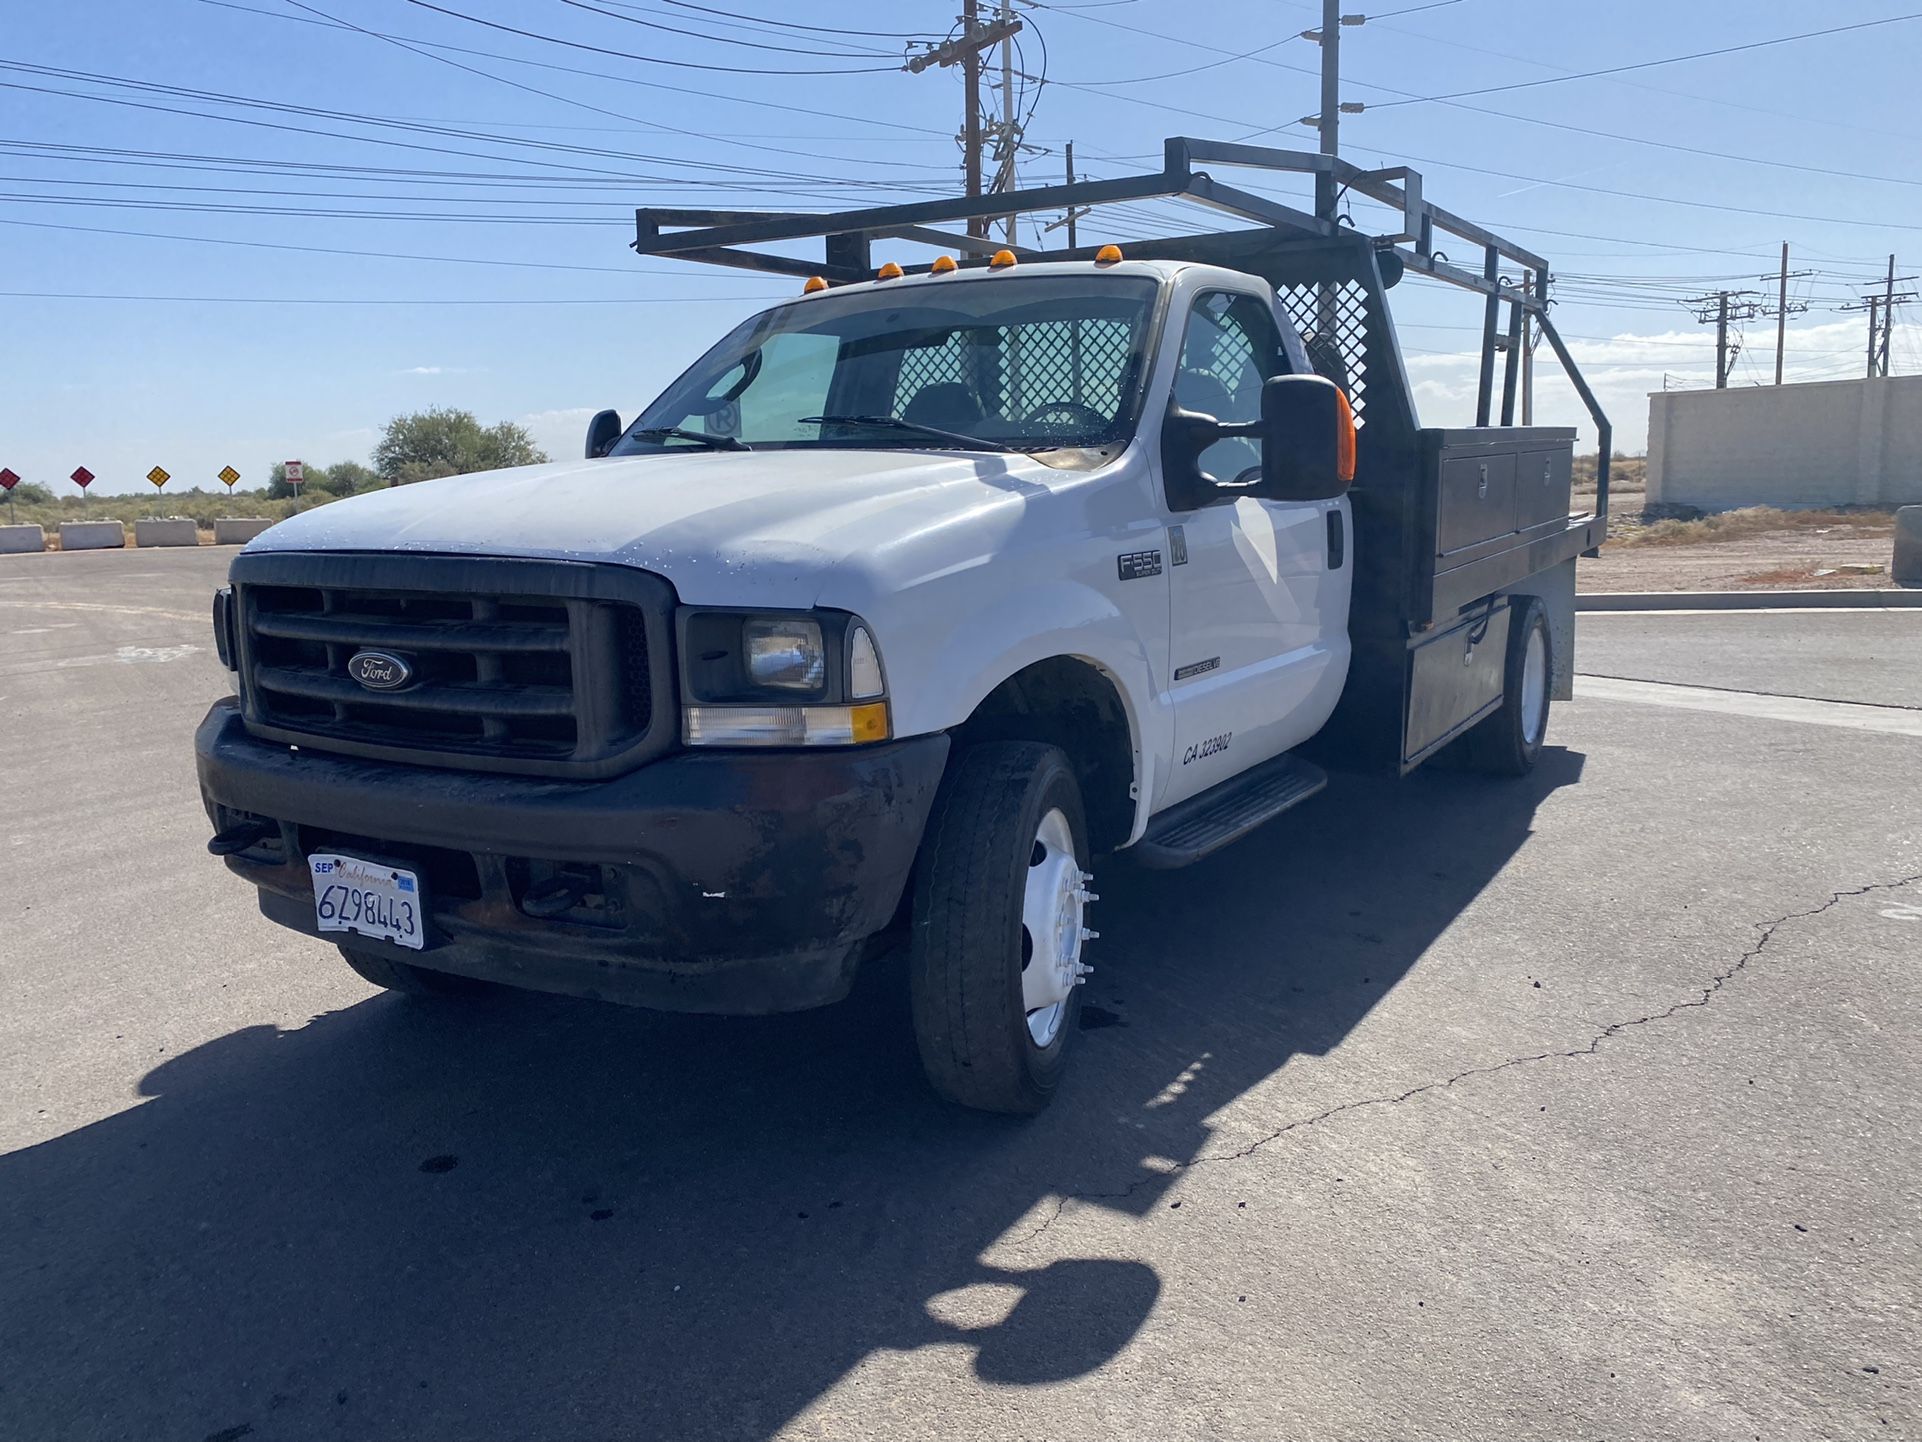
{"x":713,"y":443}
{"x":895,"y":423}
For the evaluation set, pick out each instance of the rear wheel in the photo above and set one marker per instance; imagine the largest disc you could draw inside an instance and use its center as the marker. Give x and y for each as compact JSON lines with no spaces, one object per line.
{"x":1509,"y":742}
{"x":1000,"y":895}
{"x":408,"y":979}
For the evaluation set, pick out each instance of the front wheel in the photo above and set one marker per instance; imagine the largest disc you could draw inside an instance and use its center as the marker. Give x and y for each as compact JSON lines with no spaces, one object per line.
{"x":1509,"y":742}
{"x":1000,"y":893}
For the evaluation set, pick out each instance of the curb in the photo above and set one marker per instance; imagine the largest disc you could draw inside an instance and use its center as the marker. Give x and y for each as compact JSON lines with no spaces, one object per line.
{"x":1746,"y":600}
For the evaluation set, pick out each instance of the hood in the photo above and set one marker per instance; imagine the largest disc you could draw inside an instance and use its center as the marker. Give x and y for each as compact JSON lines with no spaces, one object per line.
{"x":726,"y":527}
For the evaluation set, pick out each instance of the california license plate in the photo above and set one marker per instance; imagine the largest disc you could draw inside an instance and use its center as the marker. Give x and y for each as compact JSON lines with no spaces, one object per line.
{"x":367,"y":898}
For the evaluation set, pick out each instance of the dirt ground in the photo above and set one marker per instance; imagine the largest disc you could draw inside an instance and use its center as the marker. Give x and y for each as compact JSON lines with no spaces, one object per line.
{"x":1777,"y":561}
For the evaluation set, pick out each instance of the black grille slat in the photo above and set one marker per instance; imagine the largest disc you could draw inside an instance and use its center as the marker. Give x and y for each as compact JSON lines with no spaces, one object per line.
{"x":417,"y":636}
{"x":507,"y":676}
{"x":461,"y":698}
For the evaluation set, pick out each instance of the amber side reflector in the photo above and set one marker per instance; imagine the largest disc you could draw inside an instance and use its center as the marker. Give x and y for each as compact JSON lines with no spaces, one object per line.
{"x":1107,"y":255}
{"x":1002,"y":259}
{"x":1345,"y":441}
{"x":890,"y":271}
{"x":869,"y":722}
{"x":815,"y":284}
{"x":942,"y":265}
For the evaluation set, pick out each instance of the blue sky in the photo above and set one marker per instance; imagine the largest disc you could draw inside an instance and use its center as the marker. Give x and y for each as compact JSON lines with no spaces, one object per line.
{"x":523,"y":199}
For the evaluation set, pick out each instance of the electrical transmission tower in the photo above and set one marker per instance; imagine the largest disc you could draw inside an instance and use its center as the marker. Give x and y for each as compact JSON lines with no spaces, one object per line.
{"x":978,"y":130}
{"x":1881,"y":309}
{"x":1723,"y":308}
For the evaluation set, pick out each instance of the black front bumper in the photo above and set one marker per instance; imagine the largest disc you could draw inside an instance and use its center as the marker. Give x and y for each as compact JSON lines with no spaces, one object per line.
{"x":721,"y":882}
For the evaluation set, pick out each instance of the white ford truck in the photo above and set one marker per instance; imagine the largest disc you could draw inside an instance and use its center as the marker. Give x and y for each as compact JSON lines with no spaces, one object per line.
{"x":908,"y":600}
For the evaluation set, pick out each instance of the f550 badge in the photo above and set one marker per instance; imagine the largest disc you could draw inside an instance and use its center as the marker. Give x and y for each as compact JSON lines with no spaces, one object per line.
{"x":1138,"y":565}
{"x":1213,"y":746}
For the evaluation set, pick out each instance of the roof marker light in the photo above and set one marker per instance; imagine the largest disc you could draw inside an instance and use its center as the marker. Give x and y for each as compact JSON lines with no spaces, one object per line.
{"x":1002,"y":260}
{"x":1107,"y":255}
{"x":814,"y":286}
{"x":942,"y":265}
{"x":890,"y":271}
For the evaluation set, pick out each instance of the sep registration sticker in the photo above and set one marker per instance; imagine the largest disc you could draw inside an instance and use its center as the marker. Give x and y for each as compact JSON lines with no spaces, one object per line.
{"x":368,"y":899}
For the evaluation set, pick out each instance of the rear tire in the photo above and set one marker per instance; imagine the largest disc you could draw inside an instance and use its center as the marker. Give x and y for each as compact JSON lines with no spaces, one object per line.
{"x":407,"y":979}
{"x":995,"y":964}
{"x":1509,"y":742}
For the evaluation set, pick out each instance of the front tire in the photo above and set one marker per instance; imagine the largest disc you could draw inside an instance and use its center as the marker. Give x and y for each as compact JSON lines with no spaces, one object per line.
{"x":406,"y":978}
{"x":1509,"y":742}
{"x":1000,"y":893}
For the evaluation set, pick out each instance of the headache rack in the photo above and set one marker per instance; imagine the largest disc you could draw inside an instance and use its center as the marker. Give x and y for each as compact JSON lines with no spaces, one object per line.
{"x":1445,"y":518}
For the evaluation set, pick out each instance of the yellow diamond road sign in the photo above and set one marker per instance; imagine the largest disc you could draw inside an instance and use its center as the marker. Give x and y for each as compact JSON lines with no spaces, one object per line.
{"x":228,"y":475}
{"x":158,"y":476}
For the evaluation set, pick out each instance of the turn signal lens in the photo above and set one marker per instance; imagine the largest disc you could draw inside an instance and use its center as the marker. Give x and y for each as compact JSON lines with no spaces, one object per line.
{"x":890,"y":271}
{"x":785,"y":725}
{"x":942,"y":265}
{"x":815,"y":285}
{"x":1002,"y":259}
{"x":1107,"y":255}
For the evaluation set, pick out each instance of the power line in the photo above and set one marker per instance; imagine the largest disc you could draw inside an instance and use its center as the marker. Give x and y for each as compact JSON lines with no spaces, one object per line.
{"x":596,"y":300}
{"x":645,"y":59}
{"x":718,"y":39}
{"x":1652,"y":64}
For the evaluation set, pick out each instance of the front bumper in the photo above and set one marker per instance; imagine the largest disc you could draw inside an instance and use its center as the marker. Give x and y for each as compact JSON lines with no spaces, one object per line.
{"x":720,"y":882}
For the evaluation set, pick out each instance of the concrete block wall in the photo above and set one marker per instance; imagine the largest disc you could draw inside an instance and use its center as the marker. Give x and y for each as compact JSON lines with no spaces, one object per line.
{"x":15,"y":539}
{"x":176,"y":532}
{"x":1827,"y":443}
{"x":92,"y":535}
{"x":233,"y":531}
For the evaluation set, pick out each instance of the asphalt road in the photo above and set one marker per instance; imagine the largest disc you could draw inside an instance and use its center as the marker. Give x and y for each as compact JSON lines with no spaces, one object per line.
{"x":1586,"y":1105}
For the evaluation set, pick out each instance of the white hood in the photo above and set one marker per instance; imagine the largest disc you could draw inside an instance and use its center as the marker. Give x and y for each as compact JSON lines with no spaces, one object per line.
{"x":726,"y":527}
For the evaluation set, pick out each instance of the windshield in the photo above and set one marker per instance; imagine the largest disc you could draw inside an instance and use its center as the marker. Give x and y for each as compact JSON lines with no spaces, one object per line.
{"x":1015,"y":362}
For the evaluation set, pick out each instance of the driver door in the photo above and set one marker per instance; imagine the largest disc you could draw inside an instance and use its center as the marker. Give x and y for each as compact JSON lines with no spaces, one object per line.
{"x":1252,"y":595}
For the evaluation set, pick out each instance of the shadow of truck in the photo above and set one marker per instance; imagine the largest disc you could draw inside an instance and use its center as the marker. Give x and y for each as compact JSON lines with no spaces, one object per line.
{"x":537,"y":1217}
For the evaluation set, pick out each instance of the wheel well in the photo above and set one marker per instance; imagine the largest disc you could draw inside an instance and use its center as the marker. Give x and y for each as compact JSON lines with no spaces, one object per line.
{"x":1073,"y":705}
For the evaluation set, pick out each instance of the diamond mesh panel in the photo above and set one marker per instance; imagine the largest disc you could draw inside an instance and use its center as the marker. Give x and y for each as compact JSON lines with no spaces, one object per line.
{"x":1015,"y":370}
{"x":1333,"y":321}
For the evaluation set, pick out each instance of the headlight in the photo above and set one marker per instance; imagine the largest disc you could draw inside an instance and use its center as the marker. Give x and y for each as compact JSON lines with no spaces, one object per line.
{"x":784,"y":653}
{"x":799,"y":679}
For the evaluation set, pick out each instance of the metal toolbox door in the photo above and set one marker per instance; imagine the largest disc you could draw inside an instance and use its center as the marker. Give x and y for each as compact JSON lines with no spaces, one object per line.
{"x":1477,"y":501}
{"x":1541,"y":487}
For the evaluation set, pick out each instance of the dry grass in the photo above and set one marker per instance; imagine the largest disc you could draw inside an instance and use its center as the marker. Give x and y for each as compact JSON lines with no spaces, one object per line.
{"x":1749,"y":521}
{"x":1627,"y":475}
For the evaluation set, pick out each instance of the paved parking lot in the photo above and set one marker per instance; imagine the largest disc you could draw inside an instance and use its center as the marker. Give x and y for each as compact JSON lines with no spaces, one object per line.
{"x":1579,"y":1106}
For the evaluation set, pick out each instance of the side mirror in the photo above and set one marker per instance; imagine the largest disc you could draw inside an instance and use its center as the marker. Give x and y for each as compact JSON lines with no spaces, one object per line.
{"x":1308,"y":434}
{"x":602,"y":432}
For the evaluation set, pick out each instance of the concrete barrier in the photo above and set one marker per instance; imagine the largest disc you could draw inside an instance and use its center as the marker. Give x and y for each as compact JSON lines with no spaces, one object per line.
{"x":1907,"y":566}
{"x":235,"y":531}
{"x":1863,"y":600}
{"x":176,"y":532}
{"x":14,"y":539}
{"x":91,"y":535}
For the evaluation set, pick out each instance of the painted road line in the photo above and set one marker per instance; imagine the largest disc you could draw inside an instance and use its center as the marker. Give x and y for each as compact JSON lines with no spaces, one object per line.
{"x":1851,"y":715}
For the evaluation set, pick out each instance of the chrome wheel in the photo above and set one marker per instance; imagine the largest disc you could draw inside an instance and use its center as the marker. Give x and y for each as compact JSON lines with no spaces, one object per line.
{"x":1534,"y":686}
{"x":1052,"y":907}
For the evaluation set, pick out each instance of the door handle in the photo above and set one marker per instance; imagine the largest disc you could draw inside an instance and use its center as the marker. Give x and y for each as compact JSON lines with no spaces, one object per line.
{"x":1337,"y":541}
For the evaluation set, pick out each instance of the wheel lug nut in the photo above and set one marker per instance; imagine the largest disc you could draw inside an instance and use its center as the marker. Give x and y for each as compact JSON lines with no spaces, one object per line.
{"x":1087,"y":935}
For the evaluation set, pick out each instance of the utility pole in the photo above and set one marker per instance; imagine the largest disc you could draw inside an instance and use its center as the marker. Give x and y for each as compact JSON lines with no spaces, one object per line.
{"x":1881,"y":309}
{"x":1783,"y":307}
{"x":966,"y":50}
{"x":1009,"y":140}
{"x":1528,"y":354}
{"x":1330,"y":127}
{"x":1782,"y":314}
{"x":1717,"y":308}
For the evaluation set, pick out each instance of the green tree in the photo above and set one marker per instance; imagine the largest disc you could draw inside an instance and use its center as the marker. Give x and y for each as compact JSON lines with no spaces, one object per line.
{"x":447,"y":442}
{"x":344,"y":478}
{"x":31,"y":493}
{"x":279,"y":488}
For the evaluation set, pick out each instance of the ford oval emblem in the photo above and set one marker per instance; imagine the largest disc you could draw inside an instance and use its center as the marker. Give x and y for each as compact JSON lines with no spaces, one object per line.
{"x":380,"y":670}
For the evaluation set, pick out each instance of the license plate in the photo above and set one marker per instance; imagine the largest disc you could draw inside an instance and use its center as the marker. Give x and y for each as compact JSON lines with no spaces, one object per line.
{"x":368,"y":899}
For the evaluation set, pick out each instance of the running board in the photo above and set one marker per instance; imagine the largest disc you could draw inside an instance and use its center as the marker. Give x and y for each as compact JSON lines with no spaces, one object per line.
{"x":1202,"y":825}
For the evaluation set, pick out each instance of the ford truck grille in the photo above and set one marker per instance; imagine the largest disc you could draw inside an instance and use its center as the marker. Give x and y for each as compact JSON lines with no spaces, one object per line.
{"x":545,"y":668}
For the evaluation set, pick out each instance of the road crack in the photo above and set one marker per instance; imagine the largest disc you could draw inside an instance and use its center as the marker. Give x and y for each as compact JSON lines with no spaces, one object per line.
{"x":1707,"y":991}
